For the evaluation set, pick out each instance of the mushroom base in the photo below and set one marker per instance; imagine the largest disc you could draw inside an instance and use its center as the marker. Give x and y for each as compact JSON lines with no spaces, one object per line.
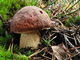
{"x":31,"y":39}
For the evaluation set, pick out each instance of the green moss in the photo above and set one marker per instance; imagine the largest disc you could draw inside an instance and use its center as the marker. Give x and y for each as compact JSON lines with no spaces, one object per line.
{"x":4,"y":54}
{"x":9,"y":7}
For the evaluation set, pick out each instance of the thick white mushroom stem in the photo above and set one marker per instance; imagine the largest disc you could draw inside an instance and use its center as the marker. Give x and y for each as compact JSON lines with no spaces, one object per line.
{"x":30,"y":39}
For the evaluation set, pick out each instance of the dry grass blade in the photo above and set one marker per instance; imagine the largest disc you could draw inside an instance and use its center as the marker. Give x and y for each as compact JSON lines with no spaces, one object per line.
{"x":69,"y":4}
{"x":73,"y":5}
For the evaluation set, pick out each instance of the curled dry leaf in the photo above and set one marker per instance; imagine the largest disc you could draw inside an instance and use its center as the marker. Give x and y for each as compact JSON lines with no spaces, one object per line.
{"x":59,"y":52}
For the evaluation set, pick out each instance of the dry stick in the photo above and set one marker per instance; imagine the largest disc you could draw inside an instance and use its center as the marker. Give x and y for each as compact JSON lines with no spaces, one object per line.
{"x":69,"y":57}
{"x":45,"y":38}
{"x":74,"y":55}
{"x":78,"y":38}
{"x":46,"y":57}
{"x":72,"y":12}
{"x":75,"y":40}
{"x":77,"y":30}
{"x":53,"y":38}
{"x":50,"y":53}
{"x":77,"y":35}
{"x":69,"y":42}
{"x":74,"y":27}
{"x":74,"y":48}
{"x":57,"y":11}
{"x":35,"y":53}
{"x":69,"y":37}
{"x":61,"y":23}
{"x":67,"y":53}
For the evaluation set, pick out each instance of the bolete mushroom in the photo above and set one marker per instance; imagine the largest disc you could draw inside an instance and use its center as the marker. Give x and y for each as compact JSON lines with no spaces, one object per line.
{"x":28,"y":21}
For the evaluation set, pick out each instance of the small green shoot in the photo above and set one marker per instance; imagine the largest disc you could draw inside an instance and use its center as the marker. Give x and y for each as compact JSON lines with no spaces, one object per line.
{"x":47,"y":42}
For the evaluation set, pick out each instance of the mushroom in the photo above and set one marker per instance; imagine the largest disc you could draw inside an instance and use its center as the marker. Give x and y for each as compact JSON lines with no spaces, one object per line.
{"x":28,"y":21}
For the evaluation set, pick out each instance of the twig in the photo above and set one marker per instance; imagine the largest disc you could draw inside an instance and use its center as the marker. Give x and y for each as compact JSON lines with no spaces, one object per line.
{"x":74,"y":48}
{"x":74,"y":55}
{"x":78,"y":38}
{"x":46,"y":57}
{"x":35,"y":53}
{"x":75,"y":40}
{"x":53,"y":38}
{"x":69,"y":42}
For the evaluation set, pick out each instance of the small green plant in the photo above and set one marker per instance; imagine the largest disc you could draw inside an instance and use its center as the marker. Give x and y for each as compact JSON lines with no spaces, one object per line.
{"x":47,"y":42}
{"x":74,"y":20}
{"x":48,"y":12}
{"x":20,"y":57}
{"x":31,"y":2}
{"x":26,"y":52}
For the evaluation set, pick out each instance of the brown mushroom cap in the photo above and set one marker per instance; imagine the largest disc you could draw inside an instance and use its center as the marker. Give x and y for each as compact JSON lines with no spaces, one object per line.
{"x":29,"y":18}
